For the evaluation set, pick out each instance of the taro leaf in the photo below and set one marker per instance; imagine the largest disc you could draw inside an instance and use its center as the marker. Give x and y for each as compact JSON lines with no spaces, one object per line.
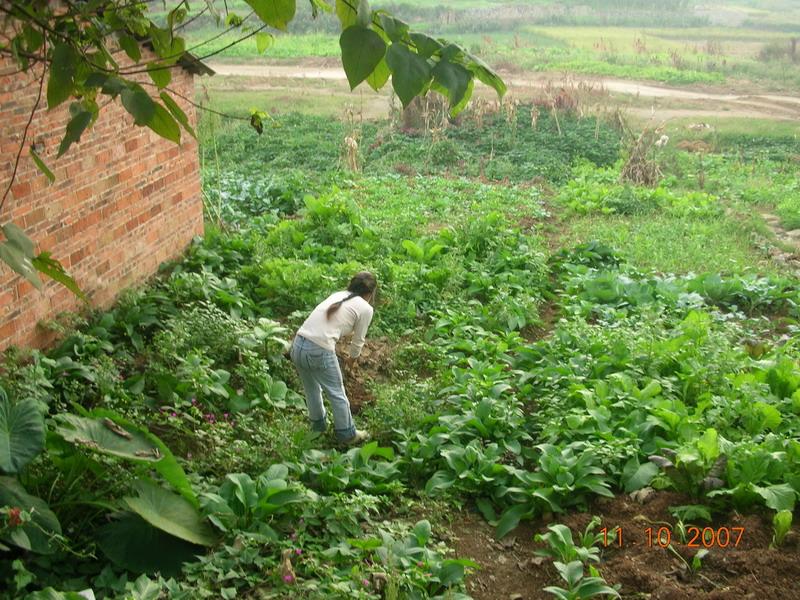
{"x":275,"y":13}
{"x":362,"y":52}
{"x":43,"y":523}
{"x":410,"y":72}
{"x":47,"y":265}
{"x":105,"y":436}
{"x":21,"y":434}
{"x":132,"y":543}
{"x":171,"y":513}
{"x":640,"y":477}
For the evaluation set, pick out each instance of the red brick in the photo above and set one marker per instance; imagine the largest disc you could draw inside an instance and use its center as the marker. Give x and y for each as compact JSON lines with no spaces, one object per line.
{"x":109,"y":217}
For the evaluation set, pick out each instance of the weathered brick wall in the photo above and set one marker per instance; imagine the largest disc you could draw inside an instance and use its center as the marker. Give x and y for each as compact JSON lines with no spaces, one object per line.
{"x":124,"y":201}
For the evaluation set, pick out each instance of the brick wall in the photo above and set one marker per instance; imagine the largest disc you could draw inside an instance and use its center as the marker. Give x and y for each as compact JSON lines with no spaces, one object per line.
{"x":124,"y":201}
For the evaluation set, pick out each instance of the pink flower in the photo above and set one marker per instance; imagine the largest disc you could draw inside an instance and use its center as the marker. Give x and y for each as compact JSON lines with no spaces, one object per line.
{"x":293,"y":536}
{"x":288,"y":578}
{"x":194,"y":400}
{"x":298,"y":551}
{"x":420,"y":564}
{"x":365,"y":582}
{"x":174,"y":414}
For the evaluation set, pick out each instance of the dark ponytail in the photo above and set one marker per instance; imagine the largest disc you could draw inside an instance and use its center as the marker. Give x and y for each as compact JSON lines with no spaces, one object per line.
{"x":361,"y":284}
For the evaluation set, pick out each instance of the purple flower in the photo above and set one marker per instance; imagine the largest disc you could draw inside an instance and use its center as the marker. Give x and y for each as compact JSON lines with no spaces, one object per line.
{"x":365,"y":582}
{"x":298,"y":551}
{"x":288,"y":578}
{"x":174,"y":414}
{"x":194,"y":400}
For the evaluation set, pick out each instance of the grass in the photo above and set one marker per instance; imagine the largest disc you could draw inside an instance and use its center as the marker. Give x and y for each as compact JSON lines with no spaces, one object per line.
{"x":672,"y":244}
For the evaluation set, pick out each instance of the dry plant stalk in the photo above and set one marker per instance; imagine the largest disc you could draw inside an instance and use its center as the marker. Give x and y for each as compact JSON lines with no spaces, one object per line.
{"x":641,"y":168}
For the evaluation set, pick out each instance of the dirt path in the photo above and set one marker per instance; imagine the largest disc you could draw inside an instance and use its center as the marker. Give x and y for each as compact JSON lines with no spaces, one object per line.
{"x":744,"y":569}
{"x":765,"y":106}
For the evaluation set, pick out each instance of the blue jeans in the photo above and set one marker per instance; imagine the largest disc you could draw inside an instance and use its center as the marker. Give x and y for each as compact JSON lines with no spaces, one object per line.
{"x":319,"y":370}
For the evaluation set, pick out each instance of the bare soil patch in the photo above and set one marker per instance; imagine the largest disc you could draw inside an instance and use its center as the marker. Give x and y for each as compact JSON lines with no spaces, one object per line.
{"x":510,"y":569}
{"x":374,"y":364}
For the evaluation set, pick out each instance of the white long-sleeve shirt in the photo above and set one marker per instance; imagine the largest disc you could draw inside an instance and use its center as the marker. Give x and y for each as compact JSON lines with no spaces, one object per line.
{"x":354,"y":316}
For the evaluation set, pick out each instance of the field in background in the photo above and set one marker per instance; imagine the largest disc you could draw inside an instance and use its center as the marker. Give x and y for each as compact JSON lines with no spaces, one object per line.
{"x":732,"y":45}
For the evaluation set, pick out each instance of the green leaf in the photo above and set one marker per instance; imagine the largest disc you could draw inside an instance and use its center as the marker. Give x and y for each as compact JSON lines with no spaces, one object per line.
{"x":75,"y":128}
{"x":44,"y":524}
{"x":510,"y":519}
{"x":17,"y":252}
{"x":47,"y":265}
{"x":379,"y":76}
{"x":484,"y":74}
{"x":426,"y":46}
{"x":139,"y":104}
{"x":641,"y":477}
{"x":164,"y":124}
{"x":131,"y":47}
{"x":263,"y":41}
{"x":347,"y":11}
{"x":452,"y":571}
{"x":160,"y":74}
{"x":275,"y":13}
{"x":129,"y":542}
{"x":107,"y":437}
{"x":708,"y":444}
{"x":21,"y":434}
{"x":362,"y":52}
{"x":410,"y":72}
{"x":456,"y":80}
{"x":16,"y":237}
{"x":770,"y":416}
{"x":171,"y":513}
{"x":42,"y":167}
{"x":422,"y":531}
{"x":782,"y":524}
{"x":178,"y":113}
{"x":63,"y":67}
{"x":395,"y":28}
{"x":167,"y":466}
{"x":777,"y":497}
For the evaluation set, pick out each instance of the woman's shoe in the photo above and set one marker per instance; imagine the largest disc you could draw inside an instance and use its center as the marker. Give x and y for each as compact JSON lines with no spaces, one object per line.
{"x":360,"y":436}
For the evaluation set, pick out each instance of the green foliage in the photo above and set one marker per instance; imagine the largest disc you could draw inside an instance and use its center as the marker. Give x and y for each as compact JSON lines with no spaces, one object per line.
{"x":579,"y":586}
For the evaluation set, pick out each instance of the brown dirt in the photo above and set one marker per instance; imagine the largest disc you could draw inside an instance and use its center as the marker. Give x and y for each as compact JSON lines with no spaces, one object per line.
{"x":374,"y":364}
{"x":509,"y":568}
{"x":714,"y":101}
